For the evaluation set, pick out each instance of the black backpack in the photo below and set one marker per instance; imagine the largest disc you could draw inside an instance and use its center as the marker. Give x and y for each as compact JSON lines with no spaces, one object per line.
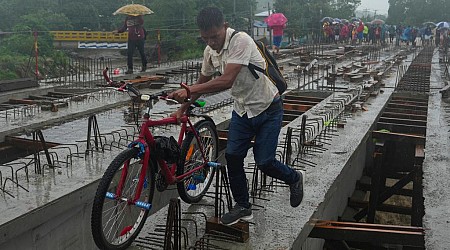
{"x":272,"y":71}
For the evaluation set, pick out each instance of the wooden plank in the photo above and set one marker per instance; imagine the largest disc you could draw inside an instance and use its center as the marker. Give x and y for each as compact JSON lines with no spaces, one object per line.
{"x":406,"y":111}
{"x":407,"y":107}
{"x":28,"y":144}
{"x":376,"y":234}
{"x":303,"y":98}
{"x":23,"y":83}
{"x":22,"y":101}
{"x":299,"y":102}
{"x":381,"y":207}
{"x":303,"y":108}
{"x":403,"y":121}
{"x":400,"y":137}
{"x":405,"y":116}
{"x":402,"y":128}
{"x":420,"y":151}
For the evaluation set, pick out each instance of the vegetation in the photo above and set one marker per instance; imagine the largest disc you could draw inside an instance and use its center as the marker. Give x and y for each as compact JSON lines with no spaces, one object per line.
{"x":416,"y":12}
{"x":174,"y":20}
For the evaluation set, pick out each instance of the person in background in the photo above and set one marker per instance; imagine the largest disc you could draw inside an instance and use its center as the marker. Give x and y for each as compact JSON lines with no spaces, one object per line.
{"x":343,"y":35}
{"x":360,"y":32}
{"x":391,"y":34}
{"x":366,"y":34}
{"x":257,"y":110}
{"x":277,"y":32}
{"x":136,"y":39}
{"x":427,"y":35}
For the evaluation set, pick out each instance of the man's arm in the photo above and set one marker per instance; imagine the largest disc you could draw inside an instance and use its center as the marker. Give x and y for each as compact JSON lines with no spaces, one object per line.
{"x":123,"y":28}
{"x":223,"y":82}
{"x":202,"y":79}
{"x":220,"y":83}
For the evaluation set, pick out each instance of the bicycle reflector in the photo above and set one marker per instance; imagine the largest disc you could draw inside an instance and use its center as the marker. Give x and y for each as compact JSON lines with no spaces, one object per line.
{"x":145,"y":97}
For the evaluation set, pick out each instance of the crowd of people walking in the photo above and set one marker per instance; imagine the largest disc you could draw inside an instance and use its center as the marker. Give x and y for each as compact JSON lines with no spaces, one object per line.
{"x":377,"y":32}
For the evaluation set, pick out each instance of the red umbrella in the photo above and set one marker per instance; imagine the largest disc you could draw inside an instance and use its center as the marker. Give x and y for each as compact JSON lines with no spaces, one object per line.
{"x":276,"y":19}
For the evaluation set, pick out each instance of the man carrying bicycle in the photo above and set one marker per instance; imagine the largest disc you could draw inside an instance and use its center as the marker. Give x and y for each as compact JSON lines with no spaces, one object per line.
{"x":257,"y":111}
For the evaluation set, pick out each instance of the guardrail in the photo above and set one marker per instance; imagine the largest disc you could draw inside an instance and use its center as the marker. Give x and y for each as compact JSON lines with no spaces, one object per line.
{"x":97,"y":36}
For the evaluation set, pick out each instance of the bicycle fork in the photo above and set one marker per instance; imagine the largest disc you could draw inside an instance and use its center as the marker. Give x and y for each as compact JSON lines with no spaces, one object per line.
{"x":141,"y":184}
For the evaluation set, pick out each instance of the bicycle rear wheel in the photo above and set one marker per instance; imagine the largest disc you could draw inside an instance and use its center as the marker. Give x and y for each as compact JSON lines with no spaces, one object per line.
{"x":115,"y":221}
{"x":193,"y":188}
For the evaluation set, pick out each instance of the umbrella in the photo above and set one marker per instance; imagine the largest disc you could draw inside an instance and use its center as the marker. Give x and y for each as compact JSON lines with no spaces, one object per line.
{"x":355,"y":19}
{"x":276,"y":19}
{"x":337,"y":20}
{"x":443,"y":25}
{"x":133,"y":10}
{"x":344,"y":20}
{"x":430,"y":24}
{"x":326,"y":19}
{"x":377,"y":22}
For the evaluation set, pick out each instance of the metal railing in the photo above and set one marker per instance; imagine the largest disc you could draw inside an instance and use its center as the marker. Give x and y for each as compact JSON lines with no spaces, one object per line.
{"x":98,"y":36}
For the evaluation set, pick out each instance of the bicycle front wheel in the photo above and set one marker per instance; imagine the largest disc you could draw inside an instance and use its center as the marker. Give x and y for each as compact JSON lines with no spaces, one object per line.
{"x":116,"y":221}
{"x":193,"y":188}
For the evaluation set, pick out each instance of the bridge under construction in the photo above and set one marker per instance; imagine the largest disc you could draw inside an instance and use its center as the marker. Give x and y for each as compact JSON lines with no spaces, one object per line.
{"x":368,"y":126}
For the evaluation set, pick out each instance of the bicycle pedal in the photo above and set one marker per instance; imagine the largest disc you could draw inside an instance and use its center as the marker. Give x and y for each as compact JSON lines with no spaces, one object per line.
{"x":199,"y":178}
{"x":144,"y":205}
{"x":191,"y":187}
{"x":110,"y":195}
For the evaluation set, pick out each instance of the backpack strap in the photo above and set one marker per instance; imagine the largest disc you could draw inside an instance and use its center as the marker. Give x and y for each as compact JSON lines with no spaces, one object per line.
{"x":253,"y":68}
{"x":234,"y":33}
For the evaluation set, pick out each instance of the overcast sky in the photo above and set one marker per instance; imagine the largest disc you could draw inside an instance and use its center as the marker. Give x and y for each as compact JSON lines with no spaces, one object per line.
{"x":381,"y":6}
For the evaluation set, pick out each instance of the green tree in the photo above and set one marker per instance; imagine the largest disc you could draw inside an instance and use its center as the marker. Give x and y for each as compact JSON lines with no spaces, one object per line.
{"x":415,"y":12}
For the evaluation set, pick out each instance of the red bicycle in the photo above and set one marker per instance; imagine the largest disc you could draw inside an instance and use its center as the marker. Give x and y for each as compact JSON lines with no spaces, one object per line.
{"x":125,"y":192}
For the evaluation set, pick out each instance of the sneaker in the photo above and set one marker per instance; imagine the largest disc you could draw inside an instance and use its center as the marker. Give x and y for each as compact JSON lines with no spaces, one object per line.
{"x":130,"y":71}
{"x":297,"y":191}
{"x":236,"y":213}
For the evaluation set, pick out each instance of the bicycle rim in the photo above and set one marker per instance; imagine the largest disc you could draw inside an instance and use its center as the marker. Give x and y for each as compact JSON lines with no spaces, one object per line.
{"x":116,"y":222}
{"x":193,"y":188}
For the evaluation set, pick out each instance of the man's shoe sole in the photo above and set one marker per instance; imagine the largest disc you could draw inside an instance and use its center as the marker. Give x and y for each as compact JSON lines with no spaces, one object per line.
{"x":302,"y":179}
{"x":248,"y":217}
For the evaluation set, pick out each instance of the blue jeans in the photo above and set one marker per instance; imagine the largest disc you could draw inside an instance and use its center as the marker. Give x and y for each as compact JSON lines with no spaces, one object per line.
{"x":265,"y":129}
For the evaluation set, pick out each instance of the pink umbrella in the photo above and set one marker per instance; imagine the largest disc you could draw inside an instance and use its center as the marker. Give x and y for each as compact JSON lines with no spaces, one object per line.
{"x":276,"y":19}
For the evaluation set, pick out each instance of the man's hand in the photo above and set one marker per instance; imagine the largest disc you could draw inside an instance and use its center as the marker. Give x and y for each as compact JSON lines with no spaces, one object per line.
{"x":179,"y":95}
{"x":178,"y":114}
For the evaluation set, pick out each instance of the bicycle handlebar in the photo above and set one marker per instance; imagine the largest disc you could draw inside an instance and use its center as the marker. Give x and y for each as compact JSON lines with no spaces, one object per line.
{"x":105,"y":75}
{"x":127,"y":86}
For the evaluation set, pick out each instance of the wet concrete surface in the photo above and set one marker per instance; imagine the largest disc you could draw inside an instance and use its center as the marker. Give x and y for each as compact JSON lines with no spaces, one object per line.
{"x":436,"y":166}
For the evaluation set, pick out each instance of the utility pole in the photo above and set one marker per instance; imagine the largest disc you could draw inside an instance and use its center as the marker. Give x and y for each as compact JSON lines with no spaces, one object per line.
{"x":365,"y":13}
{"x":251,"y":20}
{"x":270,"y":31}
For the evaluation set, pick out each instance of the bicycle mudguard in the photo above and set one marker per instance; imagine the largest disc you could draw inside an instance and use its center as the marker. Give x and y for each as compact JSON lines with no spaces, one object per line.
{"x":206,"y":117}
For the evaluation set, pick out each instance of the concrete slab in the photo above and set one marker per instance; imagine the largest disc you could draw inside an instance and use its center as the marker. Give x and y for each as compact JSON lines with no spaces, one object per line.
{"x":436,"y":166}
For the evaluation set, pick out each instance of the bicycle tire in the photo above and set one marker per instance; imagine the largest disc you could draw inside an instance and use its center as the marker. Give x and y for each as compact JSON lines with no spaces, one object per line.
{"x":193,"y":188}
{"x":116,"y":223}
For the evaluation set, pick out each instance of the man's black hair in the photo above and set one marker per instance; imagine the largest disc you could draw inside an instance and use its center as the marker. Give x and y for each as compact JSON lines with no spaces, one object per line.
{"x":209,"y":17}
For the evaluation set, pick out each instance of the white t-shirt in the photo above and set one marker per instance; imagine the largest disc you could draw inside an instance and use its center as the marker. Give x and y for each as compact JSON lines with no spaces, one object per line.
{"x":251,"y":95}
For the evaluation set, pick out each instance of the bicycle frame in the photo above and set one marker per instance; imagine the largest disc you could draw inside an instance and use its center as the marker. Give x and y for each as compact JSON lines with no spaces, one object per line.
{"x":147,"y":139}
